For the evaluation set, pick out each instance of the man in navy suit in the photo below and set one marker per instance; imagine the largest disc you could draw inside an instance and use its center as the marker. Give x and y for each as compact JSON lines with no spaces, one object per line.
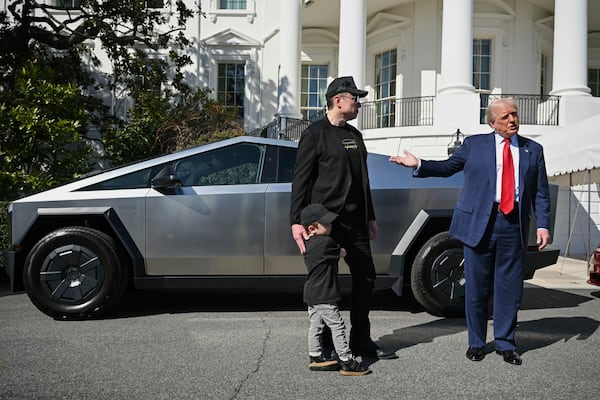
{"x":493,"y":223}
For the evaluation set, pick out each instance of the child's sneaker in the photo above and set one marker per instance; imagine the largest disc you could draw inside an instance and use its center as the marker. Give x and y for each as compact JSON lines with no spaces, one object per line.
{"x":320,"y":363}
{"x":353,"y":368}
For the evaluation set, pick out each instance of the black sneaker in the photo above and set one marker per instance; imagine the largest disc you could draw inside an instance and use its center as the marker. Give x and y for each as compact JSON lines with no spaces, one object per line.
{"x":353,"y":368}
{"x":322,"y":364}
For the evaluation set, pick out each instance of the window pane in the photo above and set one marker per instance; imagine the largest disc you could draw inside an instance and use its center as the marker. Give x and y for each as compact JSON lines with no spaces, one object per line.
{"x":231,"y":86}
{"x":594,"y":81}
{"x":385,"y":88}
{"x":485,"y":81}
{"x":68,"y":4}
{"x":278,"y":165}
{"x":485,"y":47}
{"x":232,"y":4}
{"x":287,"y":160}
{"x":232,"y":165}
{"x":485,"y":64}
{"x":313,"y":87}
{"x":135,"y":180}
{"x":482,"y":64}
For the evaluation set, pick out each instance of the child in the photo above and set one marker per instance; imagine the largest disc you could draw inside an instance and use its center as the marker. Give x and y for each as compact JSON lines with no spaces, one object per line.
{"x":321,"y":293}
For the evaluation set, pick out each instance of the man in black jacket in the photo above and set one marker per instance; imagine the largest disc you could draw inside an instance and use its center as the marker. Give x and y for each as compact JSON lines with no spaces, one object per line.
{"x":331,"y":169}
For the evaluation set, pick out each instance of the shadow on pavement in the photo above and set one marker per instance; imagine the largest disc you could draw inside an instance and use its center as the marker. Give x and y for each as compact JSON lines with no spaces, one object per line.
{"x":531,"y":335}
{"x":137,"y":303}
{"x":425,"y":333}
{"x":538,"y":298}
{"x":5,"y":284}
{"x":537,"y":334}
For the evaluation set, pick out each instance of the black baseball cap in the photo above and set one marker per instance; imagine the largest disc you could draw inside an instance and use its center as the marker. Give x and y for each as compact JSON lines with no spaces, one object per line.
{"x":344,"y":84}
{"x":316,"y":213}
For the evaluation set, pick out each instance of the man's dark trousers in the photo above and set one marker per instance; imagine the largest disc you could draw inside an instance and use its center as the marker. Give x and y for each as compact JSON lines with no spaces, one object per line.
{"x":360,"y":262}
{"x":498,"y":258}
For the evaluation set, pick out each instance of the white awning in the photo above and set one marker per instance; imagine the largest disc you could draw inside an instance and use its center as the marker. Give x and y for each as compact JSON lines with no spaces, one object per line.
{"x":574,"y":149}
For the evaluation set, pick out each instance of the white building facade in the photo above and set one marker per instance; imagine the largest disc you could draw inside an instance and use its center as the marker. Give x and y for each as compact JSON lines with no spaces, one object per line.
{"x":430,"y":66}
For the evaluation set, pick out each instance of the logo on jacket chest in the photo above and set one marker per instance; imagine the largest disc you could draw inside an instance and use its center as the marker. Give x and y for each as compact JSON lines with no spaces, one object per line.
{"x":350,"y":144}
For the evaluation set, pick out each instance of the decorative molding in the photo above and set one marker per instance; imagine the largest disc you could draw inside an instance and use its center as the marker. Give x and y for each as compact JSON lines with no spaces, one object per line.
{"x":214,"y":11}
{"x":500,"y":8}
{"x":545,"y":25}
{"x":231,"y":37}
{"x":309,"y":33}
{"x":385,"y":22}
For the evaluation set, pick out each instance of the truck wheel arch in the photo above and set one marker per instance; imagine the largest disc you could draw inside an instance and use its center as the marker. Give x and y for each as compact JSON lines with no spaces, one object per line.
{"x":415,"y":271}
{"x":103,"y":219}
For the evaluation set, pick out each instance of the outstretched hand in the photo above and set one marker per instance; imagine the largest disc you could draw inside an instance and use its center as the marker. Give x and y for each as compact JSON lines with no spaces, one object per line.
{"x":409,"y":159}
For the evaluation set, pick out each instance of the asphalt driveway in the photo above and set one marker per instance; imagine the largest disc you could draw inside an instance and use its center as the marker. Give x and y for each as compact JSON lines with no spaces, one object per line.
{"x":248,"y":346}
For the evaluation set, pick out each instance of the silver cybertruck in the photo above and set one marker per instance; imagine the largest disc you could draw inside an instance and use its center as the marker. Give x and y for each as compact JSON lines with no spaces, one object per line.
{"x":216,"y":217}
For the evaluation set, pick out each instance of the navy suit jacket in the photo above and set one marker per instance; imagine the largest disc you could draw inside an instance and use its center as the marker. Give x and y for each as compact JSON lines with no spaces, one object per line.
{"x":475,"y":206}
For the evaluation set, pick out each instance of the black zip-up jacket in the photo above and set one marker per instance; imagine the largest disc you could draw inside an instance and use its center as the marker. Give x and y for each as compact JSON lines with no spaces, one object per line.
{"x":322,"y":172}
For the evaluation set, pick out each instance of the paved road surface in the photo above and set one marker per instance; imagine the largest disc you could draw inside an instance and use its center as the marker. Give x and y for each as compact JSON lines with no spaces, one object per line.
{"x":193,"y":346}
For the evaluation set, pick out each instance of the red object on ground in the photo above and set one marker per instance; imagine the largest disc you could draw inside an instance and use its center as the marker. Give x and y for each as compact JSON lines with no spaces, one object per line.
{"x":594,"y":270}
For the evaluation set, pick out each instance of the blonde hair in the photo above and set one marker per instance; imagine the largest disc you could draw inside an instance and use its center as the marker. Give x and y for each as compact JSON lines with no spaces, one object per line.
{"x":491,"y":109}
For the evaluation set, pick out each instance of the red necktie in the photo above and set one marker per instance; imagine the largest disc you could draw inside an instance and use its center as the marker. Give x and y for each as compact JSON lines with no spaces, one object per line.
{"x":507,"y":199}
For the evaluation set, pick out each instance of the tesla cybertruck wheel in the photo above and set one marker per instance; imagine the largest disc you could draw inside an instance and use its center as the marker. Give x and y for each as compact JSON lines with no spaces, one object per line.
{"x":74,"y":272}
{"x":437,"y":276}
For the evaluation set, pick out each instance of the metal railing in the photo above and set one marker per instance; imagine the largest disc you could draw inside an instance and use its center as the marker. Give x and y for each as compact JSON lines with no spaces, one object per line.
{"x":416,"y":111}
{"x":395,"y":112}
{"x":283,"y":128}
{"x":292,"y":128}
{"x":533,"y":109}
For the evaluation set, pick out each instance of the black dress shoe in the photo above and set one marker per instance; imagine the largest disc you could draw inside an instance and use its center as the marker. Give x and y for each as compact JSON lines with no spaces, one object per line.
{"x":510,"y":356}
{"x":475,"y":353}
{"x":385,"y":354}
{"x":372,"y":350}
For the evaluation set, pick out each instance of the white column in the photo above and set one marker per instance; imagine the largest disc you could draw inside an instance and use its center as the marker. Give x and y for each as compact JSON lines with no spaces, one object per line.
{"x":353,"y":39}
{"x":570,"y":48}
{"x":289,"y":58}
{"x":457,"y":47}
{"x":455,"y":91}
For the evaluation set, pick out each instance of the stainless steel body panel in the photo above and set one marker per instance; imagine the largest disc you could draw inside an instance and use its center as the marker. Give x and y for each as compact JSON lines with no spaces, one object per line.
{"x":282,"y":256}
{"x":129,"y":205}
{"x":396,"y":209}
{"x":216,"y":230}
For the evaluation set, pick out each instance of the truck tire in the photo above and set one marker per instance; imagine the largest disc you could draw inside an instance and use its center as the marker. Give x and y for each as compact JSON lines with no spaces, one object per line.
{"x":75,"y":273}
{"x":437,"y":276}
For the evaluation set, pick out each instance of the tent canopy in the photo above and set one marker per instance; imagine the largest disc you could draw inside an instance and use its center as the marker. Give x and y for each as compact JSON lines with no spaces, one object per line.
{"x":573,"y":159}
{"x":574,"y":150}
